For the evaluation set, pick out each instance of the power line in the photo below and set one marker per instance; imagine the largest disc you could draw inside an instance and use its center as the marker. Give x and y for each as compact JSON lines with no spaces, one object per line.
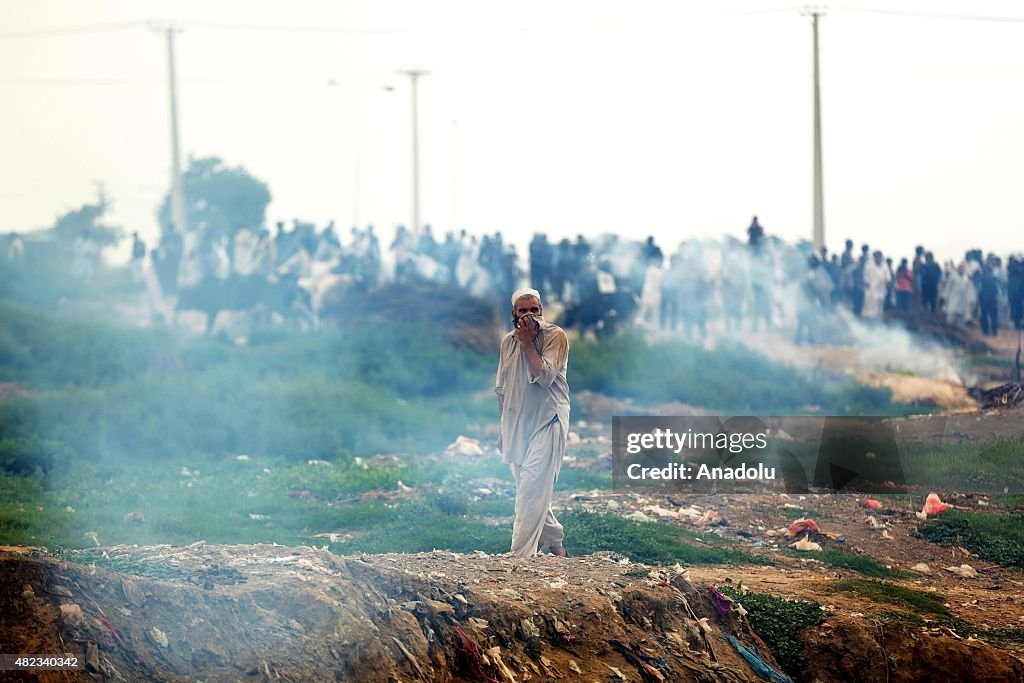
{"x":73,"y":30}
{"x":227,"y":80}
{"x":932,"y":15}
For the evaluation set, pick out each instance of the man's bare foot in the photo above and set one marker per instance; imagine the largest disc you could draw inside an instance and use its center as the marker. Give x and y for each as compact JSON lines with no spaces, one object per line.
{"x":558,"y":551}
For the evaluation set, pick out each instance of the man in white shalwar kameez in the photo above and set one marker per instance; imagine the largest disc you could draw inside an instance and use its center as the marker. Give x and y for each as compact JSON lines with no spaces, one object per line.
{"x":533,"y":398}
{"x":876,"y":286}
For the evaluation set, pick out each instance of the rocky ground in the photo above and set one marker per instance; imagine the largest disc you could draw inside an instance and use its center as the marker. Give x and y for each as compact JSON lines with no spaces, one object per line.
{"x":271,"y":613}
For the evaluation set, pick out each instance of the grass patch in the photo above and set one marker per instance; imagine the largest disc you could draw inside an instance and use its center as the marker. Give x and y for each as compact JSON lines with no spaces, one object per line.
{"x":649,"y":543}
{"x":500,"y":507}
{"x":421,"y":527}
{"x":572,"y":479}
{"x":891,"y":594}
{"x":994,"y":537}
{"x":842,"y":559}
{"x":973,"y":466}
{"x":1011,"y":500}
{"x":779,"y":622}
{"x":1004,"y":635}
{"x":730,"y":379}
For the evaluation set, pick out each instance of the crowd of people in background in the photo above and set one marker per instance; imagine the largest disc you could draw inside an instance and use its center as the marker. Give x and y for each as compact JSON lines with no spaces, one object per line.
{"x":735,"y":285}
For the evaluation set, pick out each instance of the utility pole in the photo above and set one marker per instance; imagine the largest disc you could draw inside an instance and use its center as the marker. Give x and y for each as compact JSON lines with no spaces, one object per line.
{"x":178,"y":213}
{"x":819,"y":202}
{"x":454,"y":216}
{"x":414,"y":75}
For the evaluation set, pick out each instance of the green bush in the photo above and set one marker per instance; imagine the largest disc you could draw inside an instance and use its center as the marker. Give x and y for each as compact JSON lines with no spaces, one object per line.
{"x":779,"y":622}
{"x":994,"y":537}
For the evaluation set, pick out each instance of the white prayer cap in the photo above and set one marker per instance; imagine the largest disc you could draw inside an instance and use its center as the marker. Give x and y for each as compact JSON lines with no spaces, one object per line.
{"x":525,"y":291}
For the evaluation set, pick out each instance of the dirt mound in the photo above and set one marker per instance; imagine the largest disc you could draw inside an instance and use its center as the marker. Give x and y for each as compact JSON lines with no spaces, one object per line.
{"x":899,"y":653}
{"x":227,"y":613}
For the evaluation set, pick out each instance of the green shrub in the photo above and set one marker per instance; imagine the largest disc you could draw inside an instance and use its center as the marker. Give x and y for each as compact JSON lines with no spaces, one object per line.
{"x":994,"y":537}
{"x":778,"y":622}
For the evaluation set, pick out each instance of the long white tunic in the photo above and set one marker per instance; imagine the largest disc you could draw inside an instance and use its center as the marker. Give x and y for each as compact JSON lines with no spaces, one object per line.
{"x":876,"y":284}
{"x":530,"y":404}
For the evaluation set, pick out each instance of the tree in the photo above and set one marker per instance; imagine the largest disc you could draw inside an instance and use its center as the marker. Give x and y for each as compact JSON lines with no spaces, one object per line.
{"x":218,"y":199}
{"x":87,"y":222}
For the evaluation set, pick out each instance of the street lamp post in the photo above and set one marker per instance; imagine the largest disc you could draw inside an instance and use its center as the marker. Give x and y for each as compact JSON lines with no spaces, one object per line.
{"x":819,"y":200}
{"x":414,"y":75}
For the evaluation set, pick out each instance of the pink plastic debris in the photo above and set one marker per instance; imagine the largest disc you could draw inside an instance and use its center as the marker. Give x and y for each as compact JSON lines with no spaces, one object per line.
{"x":873,"y":504}
{"x":801,"y":525}
{"x":933,"y":505}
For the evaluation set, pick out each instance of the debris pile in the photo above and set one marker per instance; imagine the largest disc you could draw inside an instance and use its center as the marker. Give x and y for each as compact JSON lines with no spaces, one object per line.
{"x":1003,"y":396}
{"x":278,"y":613}
{"x":273,"y":613}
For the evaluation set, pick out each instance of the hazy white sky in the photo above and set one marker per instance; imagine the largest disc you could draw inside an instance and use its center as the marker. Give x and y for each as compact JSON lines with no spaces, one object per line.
{"x":677,"y":119}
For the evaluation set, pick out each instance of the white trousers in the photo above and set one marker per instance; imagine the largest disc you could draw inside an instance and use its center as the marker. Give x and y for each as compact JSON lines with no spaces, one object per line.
{"x":535,"y":525}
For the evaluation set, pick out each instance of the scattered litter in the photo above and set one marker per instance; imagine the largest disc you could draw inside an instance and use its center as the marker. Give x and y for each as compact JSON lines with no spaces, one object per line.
{"x":805,"y":545}
{"x":873,"y":504}
{"x":639,"y":517}
{"x":703,"y":621}
{"x":708,"y":517}
{"x":874,"y":523}
{"x":255,"y":516}
{"x":403,"y":488}
{"x":660,"y":511}
{"x":801,"y":525}
{"x":134,"y":517}
{"x":921,"y":568}
{"x":158,"y":637}
{"x":470,"y":655}
{"x":242,"y":458}
{"x":69,"y":509}
{"x":318,"y":463}
{"x":575,"y":668}
{"x":1003,"y":396}
{"x":885,"y":534}
{"x":965,"y":571}
{"x":71,"y":614}
{"x":91,"y":535}
{"x":132,"y":593}
{"x":495,"y":653}
{"x":722,"y":604}
{"x":463,"y":445}
{"x":759,"y":666}
{"x":618,"y":674}
{"x":477,"y":622}
{"x":934,"y":506}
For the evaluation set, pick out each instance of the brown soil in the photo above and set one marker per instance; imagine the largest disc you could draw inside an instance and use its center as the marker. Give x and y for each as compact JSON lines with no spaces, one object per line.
{"x":301,"y":614}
